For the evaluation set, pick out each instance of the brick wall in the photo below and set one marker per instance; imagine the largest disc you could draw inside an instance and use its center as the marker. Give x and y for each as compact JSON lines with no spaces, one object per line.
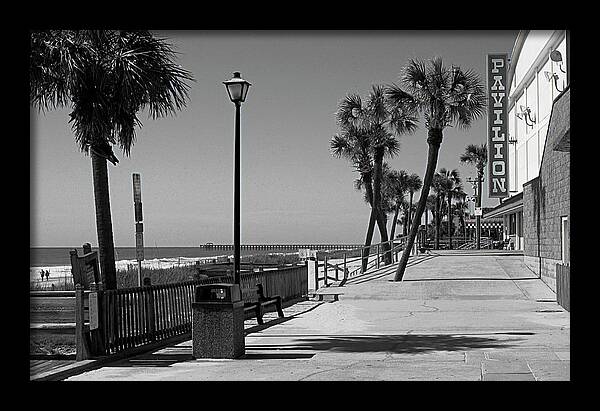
{"x":545,"y":200}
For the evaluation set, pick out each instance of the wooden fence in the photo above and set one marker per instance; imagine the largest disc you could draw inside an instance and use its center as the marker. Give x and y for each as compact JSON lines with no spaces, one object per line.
{"x":563,"y":286}
{"x":113,"y":321}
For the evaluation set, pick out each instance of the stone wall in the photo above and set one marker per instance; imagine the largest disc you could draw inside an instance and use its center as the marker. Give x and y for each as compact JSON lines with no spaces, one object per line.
{"x":545,"y":200}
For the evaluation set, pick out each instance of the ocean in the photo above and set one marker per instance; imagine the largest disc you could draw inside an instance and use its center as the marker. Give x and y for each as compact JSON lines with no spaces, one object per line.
{"x":57,"y":259}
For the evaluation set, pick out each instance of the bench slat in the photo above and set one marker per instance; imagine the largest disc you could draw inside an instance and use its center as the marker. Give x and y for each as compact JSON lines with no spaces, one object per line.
{"x":259,"y":300}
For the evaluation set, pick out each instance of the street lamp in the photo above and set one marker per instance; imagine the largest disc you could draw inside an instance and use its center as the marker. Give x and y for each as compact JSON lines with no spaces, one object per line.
{"x":237,"y":88}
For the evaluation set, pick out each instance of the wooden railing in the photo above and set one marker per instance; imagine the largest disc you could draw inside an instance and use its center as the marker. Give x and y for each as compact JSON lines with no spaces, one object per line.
{"x":362,"y":252}
{"x":210,"y":246}
{"x":563,"y":285}
{"x":113,"y":321}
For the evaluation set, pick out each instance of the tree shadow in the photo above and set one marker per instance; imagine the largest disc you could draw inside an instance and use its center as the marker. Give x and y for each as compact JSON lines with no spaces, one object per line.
{"x":396,"y":344}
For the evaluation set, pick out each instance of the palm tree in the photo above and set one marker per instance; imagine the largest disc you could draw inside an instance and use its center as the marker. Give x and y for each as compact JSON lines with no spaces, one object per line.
{"x":396,"y":187}
{"x":354,"y":144}
{"x":414,"y":184}
{"x":446,"y":97}
{"x":476,"y":156}
{"x":106,"y":77}
{"x":380,"y":120}
{"x":453,"y":189}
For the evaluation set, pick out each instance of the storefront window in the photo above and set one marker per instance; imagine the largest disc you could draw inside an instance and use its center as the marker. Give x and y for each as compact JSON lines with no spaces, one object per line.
{"x":512,"y":224}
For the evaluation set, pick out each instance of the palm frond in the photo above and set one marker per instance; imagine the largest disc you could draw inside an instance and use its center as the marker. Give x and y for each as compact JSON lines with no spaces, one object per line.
{"x":107,"y":76}
{"x":349,"y":110}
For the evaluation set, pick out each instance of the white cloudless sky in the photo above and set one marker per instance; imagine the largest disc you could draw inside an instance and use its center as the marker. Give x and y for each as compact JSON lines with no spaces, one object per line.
{"x":292,"y":189}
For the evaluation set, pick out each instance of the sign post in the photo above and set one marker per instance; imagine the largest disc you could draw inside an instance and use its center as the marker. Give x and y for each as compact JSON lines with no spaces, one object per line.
{"x":139,"y":226}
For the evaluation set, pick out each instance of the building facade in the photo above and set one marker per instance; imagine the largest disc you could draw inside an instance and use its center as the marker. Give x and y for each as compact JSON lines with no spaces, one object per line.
{"x":536,"y":215}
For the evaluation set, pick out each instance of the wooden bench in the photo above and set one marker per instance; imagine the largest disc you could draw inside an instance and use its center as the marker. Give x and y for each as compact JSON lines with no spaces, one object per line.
{"x":256,"y":300}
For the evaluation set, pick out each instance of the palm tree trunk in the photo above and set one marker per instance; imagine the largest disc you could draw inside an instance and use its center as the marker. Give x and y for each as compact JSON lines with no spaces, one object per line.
{"x":450,"y":219}
{"x":368,"y":240}
{"x":378,"y":171}
{"x":104,"y":223}
{"x":381,"y":224}
{"x":437,"y":222}
{"x":410,"y":208}
{"x":368,"y":180}
{"x":394,"y":222}
{"x":434,"y":140}
{"x":426,"y":225}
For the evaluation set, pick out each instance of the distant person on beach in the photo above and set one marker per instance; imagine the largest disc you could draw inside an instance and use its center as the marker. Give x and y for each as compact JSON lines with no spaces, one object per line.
{"x":42,"y":274}
{"x":47,"y":274}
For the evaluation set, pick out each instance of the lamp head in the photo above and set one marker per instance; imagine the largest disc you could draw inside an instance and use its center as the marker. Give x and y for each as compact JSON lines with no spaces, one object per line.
{"x":237,"y":88}
{"x":556,"y":56}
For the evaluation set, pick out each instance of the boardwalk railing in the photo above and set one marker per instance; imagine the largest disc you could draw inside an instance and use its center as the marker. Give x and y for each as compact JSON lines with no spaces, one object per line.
{"x":113,"y":321}
{"x":563,"y":285}
{"x":210,"y":246}
{"x":341,"y":270}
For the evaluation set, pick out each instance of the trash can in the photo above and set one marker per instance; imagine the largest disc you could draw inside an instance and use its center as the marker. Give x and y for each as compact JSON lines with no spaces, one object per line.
{"x":218,"y":322}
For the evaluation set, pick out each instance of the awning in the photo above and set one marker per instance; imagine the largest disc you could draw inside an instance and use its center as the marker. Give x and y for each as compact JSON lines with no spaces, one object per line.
{"x":512,"y":205}
{"x":486,"y":225}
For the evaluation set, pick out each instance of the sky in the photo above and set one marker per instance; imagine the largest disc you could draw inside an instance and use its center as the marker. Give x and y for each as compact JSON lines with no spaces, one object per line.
{"x":292,"y":189}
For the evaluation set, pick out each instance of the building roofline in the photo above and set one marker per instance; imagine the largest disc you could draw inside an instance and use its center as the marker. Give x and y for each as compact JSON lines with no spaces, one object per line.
{"x":514,"y":56}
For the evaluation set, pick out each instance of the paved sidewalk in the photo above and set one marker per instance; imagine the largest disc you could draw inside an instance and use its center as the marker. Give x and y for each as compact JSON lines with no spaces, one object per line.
{"x":455,"y":316}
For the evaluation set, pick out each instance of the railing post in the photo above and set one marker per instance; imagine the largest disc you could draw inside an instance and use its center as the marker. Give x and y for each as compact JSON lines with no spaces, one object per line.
{"x":362,"y":255}
{"x":345,"y":269}
{"x":97,"y":343}
{"x":316,"y":272}
{"x":149,"y":308}
{"x":325,"y":270}
{"x":82,"y":352}
{"x":377,"y":255}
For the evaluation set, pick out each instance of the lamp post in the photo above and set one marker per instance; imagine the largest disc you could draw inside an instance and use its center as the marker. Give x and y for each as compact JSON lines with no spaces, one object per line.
{"x":237,"y":88}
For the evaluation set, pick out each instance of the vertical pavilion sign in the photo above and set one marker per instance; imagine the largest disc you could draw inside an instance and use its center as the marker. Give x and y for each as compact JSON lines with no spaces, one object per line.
{"x":497,"y":125}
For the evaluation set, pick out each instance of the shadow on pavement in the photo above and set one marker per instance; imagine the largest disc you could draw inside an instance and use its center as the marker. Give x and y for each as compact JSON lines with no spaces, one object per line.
{"x":398,"y":344}
{"x":153,"y":360}
{"x":175,"y":354}
{"x":263,"y":356}
{"x":469,"y":279}
{"x":384,"y":271}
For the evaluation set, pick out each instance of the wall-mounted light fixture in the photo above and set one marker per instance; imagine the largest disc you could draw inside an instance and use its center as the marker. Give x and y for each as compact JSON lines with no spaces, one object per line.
{"x":527,"y":115}
{"x":556,"y":57}
{"x":551,"y":77}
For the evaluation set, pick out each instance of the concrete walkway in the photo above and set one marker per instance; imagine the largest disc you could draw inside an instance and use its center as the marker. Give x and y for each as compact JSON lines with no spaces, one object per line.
{"x":455,"y":316}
